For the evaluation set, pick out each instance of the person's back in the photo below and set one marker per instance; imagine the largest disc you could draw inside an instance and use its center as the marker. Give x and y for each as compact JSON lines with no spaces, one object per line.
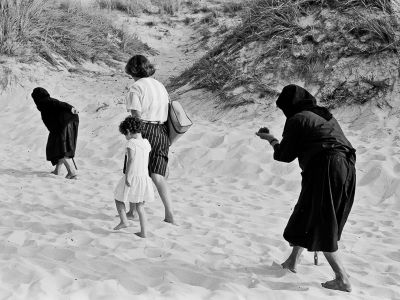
{"x":153,"y":97}
{"x":316,"y":135}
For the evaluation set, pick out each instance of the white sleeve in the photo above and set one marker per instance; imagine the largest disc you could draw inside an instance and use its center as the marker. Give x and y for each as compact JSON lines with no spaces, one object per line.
{"x":133,"y":98}
{"x":131,"y":145}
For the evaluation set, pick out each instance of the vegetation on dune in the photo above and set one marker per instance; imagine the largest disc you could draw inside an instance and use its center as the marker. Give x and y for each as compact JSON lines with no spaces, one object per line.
{"x":136,"y":7}
{"x":35,"y":28}
{"x":63,"y":28}
{"x":298,"y":38}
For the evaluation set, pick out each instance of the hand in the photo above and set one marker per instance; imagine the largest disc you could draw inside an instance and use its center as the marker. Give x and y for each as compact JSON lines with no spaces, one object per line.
{"x":263,"y":130}
{"x":266,"y":136}
{"x":127,"y":181}
{"x":74,"y":111}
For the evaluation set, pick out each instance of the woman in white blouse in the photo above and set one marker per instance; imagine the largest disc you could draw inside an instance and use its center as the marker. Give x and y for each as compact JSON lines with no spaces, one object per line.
{"x":148,"y":99}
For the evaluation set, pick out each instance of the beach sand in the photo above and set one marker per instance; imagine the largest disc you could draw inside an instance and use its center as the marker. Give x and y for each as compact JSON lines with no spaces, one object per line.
{"x":231,"y":201}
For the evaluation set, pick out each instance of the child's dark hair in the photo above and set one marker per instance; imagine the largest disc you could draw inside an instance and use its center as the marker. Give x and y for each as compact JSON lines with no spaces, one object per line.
{"x":131,"y":124}
{"x":139,"y":66}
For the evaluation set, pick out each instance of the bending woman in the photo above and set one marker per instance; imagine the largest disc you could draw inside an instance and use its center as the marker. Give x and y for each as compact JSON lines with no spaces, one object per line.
{"x":326,"y":158}
{"x":62,"y":121}
{"x":148,"y":100}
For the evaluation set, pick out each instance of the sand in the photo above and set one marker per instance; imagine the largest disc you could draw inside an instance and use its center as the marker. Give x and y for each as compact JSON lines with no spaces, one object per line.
{"x":230,"y":198}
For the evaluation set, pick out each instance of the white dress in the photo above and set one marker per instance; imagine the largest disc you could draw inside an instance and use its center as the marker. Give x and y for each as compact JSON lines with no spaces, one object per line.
{"x":141,"y":188}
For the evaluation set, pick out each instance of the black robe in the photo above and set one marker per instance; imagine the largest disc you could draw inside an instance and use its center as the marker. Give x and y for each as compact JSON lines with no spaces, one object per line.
{"x":61,"y":123}
{"x":327,"y":159}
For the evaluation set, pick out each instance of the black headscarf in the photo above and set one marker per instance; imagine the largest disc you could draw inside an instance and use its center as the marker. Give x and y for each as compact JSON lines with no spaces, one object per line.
{"x":55,"y":114}
{"x":294,"y":99}
{"x":41,"y":98}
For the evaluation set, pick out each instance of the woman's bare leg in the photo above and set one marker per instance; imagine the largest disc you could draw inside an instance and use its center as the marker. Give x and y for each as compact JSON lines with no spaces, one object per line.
{"x":162,"y":188}
{"x":58,"y":167}
{"x":341,"y":281}
{"x":142,"y":219}
{"x":70,"y":168}
{"x":122,"y":215}
{"x":291,"y":262}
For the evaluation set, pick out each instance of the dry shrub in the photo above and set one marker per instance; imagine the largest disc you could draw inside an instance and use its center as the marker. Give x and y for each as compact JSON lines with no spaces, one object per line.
{"x":16,"y":24}
{"x":383,"y":5}
{"x":131,"y":7}
{"x":169,"y":7}
{"x":72,"y":33}
{"x":276,"y":24}
{"x":233,"y":7}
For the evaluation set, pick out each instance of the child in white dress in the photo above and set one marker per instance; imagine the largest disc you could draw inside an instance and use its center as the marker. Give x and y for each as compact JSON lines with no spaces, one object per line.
{"x":135,"y":187}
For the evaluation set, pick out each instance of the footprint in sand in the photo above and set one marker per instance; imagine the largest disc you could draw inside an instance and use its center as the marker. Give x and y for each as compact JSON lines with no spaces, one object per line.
{"x":372,"y":175}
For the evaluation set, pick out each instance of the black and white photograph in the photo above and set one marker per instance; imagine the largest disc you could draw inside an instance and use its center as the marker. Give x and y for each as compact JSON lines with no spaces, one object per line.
{"x":199,"y":149}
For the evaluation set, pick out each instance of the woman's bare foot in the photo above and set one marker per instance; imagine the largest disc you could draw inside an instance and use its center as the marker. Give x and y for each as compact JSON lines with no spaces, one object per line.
{"x":120,"y":226}
{"x":290,"y":265}
{"x":71,"y":176}
{"x":337,"y":284}
{"x":141,"y":234}
{"x":169,"y":219}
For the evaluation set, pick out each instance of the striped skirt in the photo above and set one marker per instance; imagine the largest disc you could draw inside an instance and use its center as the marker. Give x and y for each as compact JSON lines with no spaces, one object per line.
{"x":157,"y":135}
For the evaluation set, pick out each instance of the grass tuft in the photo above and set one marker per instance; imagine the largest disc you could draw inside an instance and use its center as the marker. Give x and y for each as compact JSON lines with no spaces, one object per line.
{"x":72,"y":33}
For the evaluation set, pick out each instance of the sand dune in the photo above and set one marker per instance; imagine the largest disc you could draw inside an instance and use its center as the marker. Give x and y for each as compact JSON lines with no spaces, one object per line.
{"x":231,"y":199}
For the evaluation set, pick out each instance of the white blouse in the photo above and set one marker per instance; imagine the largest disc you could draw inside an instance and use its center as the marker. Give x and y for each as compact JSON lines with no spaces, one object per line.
{"x":150,"y":97}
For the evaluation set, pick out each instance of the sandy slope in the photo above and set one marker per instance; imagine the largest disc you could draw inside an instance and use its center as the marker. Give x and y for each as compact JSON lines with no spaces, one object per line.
{"x":231,"y":199}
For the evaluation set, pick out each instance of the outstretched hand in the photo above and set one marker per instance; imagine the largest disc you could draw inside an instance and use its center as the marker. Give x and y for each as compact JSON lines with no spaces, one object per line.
{"x":264,"y":134}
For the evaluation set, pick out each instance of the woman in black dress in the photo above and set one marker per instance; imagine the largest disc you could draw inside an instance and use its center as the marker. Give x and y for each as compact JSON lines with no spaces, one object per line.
{"x":62,"y":121}
{"x":326,"y":158}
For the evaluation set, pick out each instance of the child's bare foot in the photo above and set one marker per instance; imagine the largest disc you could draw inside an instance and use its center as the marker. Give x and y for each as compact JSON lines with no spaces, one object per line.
{"x":337,"y":284}
{"x":290,"y":265}
{"x":141,"y":234}
{"x":131,"y":216}
{"x":55,"y":172}
{"x":120,"y":226}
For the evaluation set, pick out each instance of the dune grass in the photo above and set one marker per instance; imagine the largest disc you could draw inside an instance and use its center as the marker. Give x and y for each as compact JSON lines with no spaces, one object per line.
{"x":136,"y":7}
{"x":35,"y":28}
{"x":130,"y":7}
{"x":292,"y":48}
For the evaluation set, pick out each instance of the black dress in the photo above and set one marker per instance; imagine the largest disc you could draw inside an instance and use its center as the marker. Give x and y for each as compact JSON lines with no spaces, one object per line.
{"x":327,"y":161}
{"x":61,"y":123}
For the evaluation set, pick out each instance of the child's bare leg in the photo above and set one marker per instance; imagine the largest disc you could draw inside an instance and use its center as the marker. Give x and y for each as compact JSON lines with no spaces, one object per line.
{"x":291,"y":262}
{"x":341,"y":281}
{"x":142,"y":219}
{"x":132,"y":211}
{"x":58,"y":167}
{"x":122,"y":215}
{"x":71,"y":170}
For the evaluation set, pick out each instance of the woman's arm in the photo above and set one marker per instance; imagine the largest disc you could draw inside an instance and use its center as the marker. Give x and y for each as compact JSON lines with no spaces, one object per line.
{"x":129,"y":174}
{"x":287,"y":150}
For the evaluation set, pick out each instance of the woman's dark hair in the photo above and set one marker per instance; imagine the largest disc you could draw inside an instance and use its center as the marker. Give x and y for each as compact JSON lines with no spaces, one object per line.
{"x":131,"y":124}
{"x":139,"y":66}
